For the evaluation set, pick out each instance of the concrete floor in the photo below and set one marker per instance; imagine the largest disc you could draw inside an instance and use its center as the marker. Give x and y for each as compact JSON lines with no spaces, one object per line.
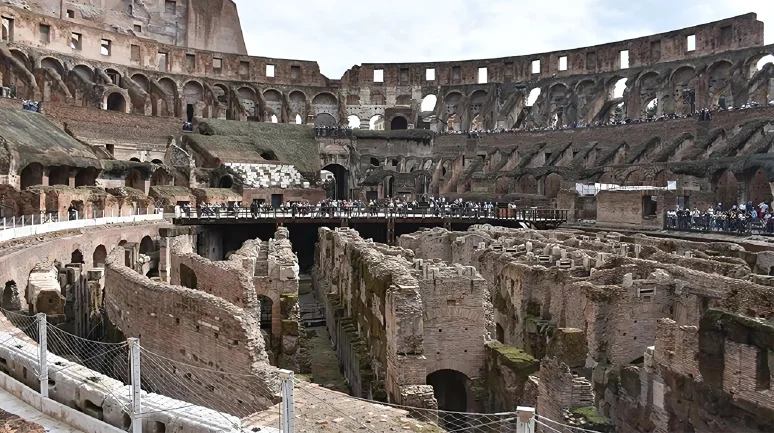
{"x":9,"y":403}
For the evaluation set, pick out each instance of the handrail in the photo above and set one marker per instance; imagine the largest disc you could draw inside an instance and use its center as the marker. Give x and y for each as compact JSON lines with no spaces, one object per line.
{"x":531,"y":215}
{"x":29,"y":225}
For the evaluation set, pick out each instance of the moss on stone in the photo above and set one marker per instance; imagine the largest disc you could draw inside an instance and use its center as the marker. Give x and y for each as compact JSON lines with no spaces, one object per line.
{"x":522,"y":363}
{"x":591,"y":415}
{"x":290,"y":327}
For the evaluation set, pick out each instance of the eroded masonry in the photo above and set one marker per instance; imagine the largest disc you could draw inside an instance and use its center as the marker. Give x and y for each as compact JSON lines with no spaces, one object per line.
{"x":596,"y":329}
{"x":155,"y":182}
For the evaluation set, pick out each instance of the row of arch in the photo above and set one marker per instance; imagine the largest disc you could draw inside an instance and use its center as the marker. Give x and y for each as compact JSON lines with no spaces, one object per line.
{"x":35,"y":174}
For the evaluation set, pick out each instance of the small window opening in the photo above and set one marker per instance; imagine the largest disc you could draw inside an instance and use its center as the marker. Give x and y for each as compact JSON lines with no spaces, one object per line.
{"x":70,"y":13}
{"x":106,"y":46}
{"x":190,"y":61}
{"x":563,"y":63}
{"x":161,"y":62}
{"x":624,"y":59}
{"x":7,"y":29}
{"x":135,"y":54}
{"x":536,"y":66}
{"x":170,"y":7}
{"x":378,"y":75}
{"x":691,"y":43}
{"x":269,"y":70}
{"x":45,"y":33}
{"x":430,"y":74}
{"x":76,"y":41}
{"x":244,"y":69}
{"x":295,"y":72}
{"x":137,"y":28}
{"x":482,"y":75}
{"x":217,"y":64}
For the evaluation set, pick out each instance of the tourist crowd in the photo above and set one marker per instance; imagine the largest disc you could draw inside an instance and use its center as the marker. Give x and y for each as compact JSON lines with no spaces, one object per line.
{"x":741,"y":218}
{"x":33,"y":106}
{"x":359,"y":208}
{"x":703,"y":115}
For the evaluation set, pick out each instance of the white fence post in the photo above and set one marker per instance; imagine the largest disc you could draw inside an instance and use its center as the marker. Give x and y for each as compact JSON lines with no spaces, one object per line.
{"x":525,"y":419}
{"x":42,"y":354}
{"x":134,"y":365}
{"x":287,"y":414}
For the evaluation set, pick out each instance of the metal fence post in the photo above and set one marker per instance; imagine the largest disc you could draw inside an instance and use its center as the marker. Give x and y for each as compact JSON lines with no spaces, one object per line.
{"x":525,"y":419}
{"x":42,"y":354}
{"x":287,"y":414}
{"x":136,"y":391}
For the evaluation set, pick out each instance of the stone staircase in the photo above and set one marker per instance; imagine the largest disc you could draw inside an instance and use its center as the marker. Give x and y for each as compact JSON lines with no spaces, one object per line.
{"x":269,"y":175}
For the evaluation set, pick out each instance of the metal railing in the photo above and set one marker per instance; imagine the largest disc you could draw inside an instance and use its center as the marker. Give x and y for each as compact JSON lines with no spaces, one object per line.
{"x":719,"y":223}
{"x":12,"y":222}
{"x":376,"y":212}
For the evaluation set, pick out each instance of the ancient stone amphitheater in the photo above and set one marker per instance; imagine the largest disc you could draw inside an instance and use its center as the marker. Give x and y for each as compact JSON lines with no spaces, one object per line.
{"x":129,"y":305}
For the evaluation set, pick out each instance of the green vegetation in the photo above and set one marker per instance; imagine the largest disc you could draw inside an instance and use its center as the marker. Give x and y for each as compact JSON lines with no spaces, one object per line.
{"x":591,"y":415}
{"x":522,"y":363}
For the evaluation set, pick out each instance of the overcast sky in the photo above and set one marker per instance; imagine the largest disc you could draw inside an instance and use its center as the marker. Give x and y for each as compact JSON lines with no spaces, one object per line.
{"x":339,"y":34}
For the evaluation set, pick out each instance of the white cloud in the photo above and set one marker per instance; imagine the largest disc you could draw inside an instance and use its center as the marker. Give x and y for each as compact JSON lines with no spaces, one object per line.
{"x":339,"y":34}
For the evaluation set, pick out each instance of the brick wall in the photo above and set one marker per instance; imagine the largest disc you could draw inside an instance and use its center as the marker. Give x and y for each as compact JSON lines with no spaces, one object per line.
{"x":195,"y":330}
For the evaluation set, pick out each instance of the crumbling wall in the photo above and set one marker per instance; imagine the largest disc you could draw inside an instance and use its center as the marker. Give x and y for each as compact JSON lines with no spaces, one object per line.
{"x":194,"y":328}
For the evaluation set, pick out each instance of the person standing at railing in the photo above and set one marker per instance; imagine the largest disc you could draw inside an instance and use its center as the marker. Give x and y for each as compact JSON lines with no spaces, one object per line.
{"x":72,"y":213}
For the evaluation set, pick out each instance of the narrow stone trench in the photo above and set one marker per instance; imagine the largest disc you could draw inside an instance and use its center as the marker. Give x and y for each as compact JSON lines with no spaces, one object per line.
{"x":325,"y":366}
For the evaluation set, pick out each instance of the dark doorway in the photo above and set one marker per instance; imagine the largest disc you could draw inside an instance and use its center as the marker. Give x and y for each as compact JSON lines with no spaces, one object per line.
{"x":276,"y":201}
{"x":399,"y":122}
{"x":187,"y":277}
{"x":450,"y":391}
{"x":76,"y":257}
{"x":226,"y":182}
{"x":189,"y":112}
{"x":266,"y":305}
{"x":341,"y":176}
{"x":116,"y":102}
{"x":500,"y":334}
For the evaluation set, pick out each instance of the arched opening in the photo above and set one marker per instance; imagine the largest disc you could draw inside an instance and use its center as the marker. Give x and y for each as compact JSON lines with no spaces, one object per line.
{"x":76,"y":257}
{"x":551,"y":186}
{"x":376,"y":122}
{"x":266,"y":306}
{"x":161,"y":106}
{"x":758,"y":189}
{"x":323,"y":120}
{"x":135,"y":159}
{"x":76,"y":210}
{"x":157,"y":161}
{"x":398,"y":122}
{"x":389,"y":187}
{"x":273,"y":103}
{"x":500,"y":333}
{"x":99,"y":256}
{"x":719,"y":79}
{"x":31,"y":175}
{"x":116,"y":102}
{"x":226,"y":182}
{"x":634,"y":178}
{"x":527,"y":184}
{"x":533,"y":96}
{"x":617,"y":113}
{"x":375,"y":162}
{"x":188,"y":277}
{"x":134,"y":179}
{"x":619,"y":89}
{"x":159,"y":178}
{"x":193,"y":94}
{"x":663,"y":178}
{"x":450,"y":389}
{"x":353,"y":121}
{"x":325,"y":103}
{"x":297,"y":101}
{"x":58,"y":175}
{"x":142,"y":81}
{"x":298,"y":119}
{"x":115,"y":76}
{"x":763,"y":61}
{"x":428,"y":104}
{"x":651,"y":110}
{"x":86,"y":177}
{"x":274,"y":118}
{"x":11,"y":301}
{"x":503,"y":185}
{"x":147,"y":245}
{"x":341,"y":176}
{"x":726,"y":189}
{"x":52,"y":63}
